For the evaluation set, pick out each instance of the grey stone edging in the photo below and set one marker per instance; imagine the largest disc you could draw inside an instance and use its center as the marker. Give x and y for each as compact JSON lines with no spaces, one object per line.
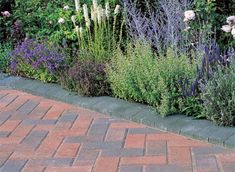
{"x":180,"y":124}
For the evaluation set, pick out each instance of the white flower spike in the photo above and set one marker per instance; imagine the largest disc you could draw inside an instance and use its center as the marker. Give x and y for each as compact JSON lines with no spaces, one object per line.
{"x":77,"y":29}
{"x":77,"y":5}
{"x":107,"y":10}
{"x":117,"y":9}
{"x":95,"y":5}
{"x":73,"y":18}
{"x":81,"y":30}
{"x":85,"y":12}
{"x":99,"y":14}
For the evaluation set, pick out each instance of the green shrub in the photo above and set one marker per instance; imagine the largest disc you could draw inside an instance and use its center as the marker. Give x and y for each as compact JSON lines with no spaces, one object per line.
{"x":4,"y":56}
{"x":141,"y":76}
{"x":40,"y":17}
{"x":219,"y":97}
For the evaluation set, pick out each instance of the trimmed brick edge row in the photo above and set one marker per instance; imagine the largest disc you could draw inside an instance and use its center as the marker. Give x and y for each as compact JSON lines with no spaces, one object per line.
{"x":180,"y":124}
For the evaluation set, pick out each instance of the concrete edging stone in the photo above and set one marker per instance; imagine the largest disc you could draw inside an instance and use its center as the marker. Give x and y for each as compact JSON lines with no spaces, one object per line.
{"x":180,"y":124}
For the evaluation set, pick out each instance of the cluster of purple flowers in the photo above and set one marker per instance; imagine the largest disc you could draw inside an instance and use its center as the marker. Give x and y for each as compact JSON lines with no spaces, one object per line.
{"x":160,"y":24}
{"x":212,"y":59}
{"x":37,"y":54}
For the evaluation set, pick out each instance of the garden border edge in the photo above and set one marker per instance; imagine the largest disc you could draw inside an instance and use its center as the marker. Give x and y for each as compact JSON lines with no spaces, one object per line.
{"x":194,"y":128}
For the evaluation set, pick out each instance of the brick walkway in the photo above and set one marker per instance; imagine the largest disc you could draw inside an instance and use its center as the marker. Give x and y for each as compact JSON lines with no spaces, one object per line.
{"x":38,"y":134}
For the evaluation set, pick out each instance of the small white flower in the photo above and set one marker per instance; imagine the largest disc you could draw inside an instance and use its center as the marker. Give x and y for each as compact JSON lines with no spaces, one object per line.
{"x":81,"y":30}
{"x":77,"y":5}
{"x":88,"y":24}
{"x":117,"y":9}
{"x":226,"y":28}
{"x":77,"y":29}
{"x":189,"y":15}
{"x":6,"y":13}
{"x":231,"y":20}
{"x":66,"y":7}
{"x":187,"y":29}
{"x":61,"y":21}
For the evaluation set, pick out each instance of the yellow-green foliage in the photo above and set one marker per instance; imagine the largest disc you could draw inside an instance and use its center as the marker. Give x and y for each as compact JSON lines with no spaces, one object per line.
{"x":142,"y":76}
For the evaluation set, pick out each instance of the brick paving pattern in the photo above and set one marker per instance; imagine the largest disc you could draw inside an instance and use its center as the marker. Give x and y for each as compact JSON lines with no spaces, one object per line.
{"x":37,"y":134}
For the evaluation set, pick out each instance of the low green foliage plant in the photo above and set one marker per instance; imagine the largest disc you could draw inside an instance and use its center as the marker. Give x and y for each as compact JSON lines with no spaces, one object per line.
{"x":141,"y":76}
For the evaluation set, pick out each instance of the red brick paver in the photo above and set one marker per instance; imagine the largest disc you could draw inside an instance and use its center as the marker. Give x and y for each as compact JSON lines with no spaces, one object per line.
{"x":37,"y":134}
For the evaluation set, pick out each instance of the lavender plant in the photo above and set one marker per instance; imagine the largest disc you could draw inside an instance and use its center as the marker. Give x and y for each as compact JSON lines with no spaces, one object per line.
{"x":209,"y":63}
{"x":192,"y":88}
{"x":161,"y":24}
{"x":219,"y":97}
{"x":36,"y":59}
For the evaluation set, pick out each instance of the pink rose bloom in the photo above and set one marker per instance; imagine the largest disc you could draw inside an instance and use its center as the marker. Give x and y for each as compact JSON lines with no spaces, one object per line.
{"x":226,"y":28}
{"x":189,"y":15}
{"x":6,"y":13}
{"x":231,"y":20}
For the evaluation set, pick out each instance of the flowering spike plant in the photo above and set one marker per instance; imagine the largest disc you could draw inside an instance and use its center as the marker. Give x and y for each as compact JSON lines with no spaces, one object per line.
{"x":212,"y":58}
{"x":98,"y":33}
{"x":77,"y":5}
{"x":107,"y":10}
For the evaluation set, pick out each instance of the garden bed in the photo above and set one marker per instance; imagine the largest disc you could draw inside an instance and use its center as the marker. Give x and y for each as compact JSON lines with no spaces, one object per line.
{"x":170,"y":57}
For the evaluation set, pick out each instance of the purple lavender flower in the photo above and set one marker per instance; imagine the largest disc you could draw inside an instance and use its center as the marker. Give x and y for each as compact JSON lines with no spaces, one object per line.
{"x":212,"y":59}
{"x":161,"y":24}
{"x":39,"y":55}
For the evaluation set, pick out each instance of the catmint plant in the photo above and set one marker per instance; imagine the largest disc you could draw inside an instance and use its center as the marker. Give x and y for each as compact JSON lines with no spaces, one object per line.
{"x":34,"y":58}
